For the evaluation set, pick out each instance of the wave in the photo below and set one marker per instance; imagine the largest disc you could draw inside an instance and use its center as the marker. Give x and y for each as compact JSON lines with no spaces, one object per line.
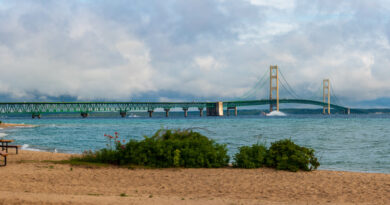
{"x":27,"y":147}
{"x":276,"y":114}
{"x":3,"y":134}
{"x":133,"y":115}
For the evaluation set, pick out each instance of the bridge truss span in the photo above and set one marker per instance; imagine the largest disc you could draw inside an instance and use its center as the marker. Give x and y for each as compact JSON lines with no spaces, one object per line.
{"x":85,"y":107}
{"x":38,"y":108}
{"x":284,"y":101}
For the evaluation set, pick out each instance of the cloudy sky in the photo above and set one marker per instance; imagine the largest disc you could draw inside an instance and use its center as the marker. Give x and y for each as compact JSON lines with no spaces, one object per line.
{"x":192,"y":49}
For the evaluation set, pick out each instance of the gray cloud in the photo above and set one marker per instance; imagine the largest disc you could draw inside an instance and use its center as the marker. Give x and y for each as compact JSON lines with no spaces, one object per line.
{"x":211,"y":49}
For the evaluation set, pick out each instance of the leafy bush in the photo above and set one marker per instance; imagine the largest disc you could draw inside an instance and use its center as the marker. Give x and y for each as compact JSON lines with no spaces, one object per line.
{"x":166,"y":148}
{"x":250,"y":157}
{"x":286,"y":155}
{"x":177,"y":148}
{"x":185,"y":148}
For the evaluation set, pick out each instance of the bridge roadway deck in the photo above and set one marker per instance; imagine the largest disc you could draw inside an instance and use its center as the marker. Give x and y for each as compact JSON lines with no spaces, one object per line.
{"x":62,"y":107}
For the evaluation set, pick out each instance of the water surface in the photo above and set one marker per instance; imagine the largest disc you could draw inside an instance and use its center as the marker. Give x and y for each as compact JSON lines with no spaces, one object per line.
{"x":351,"y":143}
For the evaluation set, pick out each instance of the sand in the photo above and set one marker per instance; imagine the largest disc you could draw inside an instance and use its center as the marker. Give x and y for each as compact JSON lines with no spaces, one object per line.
{"x":9,"y":125}
{"x":29,"y":179}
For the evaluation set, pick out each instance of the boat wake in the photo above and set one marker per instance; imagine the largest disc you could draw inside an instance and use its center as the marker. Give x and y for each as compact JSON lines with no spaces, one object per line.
{"x":276,"y":114}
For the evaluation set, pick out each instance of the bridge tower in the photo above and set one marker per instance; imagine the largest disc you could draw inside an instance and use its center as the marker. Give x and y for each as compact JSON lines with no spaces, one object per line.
{"x":274,"y":87}
{"x":326,"y":92}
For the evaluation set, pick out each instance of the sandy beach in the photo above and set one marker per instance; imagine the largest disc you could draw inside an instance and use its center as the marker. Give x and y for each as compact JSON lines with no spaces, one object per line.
{"x":9,"y":125}
{"x":30,"y":179}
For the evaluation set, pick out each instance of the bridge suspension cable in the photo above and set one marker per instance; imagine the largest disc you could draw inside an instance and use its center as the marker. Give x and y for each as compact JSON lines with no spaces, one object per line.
{"x":288,"y":87}
{"x":333,"y":94}
{"x":287,"y":90}
{"x":256,"y":88}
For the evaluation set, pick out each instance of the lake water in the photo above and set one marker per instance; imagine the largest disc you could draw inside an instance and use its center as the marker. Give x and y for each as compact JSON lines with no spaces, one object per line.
{"x":350,"y":143}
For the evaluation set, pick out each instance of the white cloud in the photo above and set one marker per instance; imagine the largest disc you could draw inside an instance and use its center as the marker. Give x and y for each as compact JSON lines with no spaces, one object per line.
{"x":279,"y":4}
{"x":82,"y":57}
{"x":207,"y":63}
{"x":197,"y":49}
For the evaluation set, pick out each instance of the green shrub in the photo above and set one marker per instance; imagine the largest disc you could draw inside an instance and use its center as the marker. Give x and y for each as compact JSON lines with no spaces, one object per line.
{"x":177,"y":148}
{"x":166,"y":148}
{"x":107,"y":156}
{"x":250,"y":157}
{"x":185,"y":148}
{"x":286,"y":155}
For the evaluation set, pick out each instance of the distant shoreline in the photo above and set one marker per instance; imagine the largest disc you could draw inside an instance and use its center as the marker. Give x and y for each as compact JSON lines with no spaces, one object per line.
{"x":8,"y":125}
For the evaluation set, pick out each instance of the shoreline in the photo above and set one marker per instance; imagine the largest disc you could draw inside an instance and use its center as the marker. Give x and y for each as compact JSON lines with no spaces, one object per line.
{"x":31,"y":177}
{"x":352,"y":171}
{"x":10,"y":125}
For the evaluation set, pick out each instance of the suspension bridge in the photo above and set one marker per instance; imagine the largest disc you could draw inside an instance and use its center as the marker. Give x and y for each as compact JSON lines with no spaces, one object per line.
{"x":36,"y":109}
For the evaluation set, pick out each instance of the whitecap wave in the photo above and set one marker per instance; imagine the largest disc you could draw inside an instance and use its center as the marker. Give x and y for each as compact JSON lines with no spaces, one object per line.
{"x":3,"y":134}
{"x":133,"y":115}
{"x":276,"y":114}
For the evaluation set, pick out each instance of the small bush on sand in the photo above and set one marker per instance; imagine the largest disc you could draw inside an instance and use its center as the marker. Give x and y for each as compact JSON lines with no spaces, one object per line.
{"x":286,"y":155}
{"x":174,"y":148}
{"x":166,"y":148}
{"x":185,"y":148}
{"x":250,"y":157}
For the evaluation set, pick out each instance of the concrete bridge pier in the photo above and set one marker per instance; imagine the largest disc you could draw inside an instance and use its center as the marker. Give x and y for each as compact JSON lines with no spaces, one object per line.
{"x":231,"y":108}
{"x":84,"y":114}
{"x":150,"y":113}
{"x":123,"y":113}
{"x":216,"y":110}
{"x":200,"y":111}
{"x":34,"y":115}
{"x":185,"y":109}
{"x":166,"y":112}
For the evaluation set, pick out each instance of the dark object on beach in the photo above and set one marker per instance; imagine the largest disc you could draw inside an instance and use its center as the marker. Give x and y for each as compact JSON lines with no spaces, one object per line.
{"x":4,"y":155}
{"x":5,"y":145}
{"x":286,"y":155}
{"x":250,"y":157}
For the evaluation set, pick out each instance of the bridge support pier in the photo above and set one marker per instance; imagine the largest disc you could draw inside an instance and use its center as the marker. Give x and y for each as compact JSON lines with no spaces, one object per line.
{"x":274,"y":87}
{"x":123,"y":113}
{"x":232,"y":108}
{"x":326,"y":93}
{"x":84,"y":114}
{"x":216,"y":110}
{"x":166,"y":112}
{"x":150,"y":113}
{"x":200,"y":111}
{"x":185,"y":109}
{"x":34,"y":115}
